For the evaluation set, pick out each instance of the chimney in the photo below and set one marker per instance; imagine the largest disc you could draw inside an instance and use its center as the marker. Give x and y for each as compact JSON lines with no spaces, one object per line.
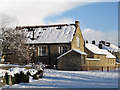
{"x":100,"y":46}
{"x":77,"y":23}
{"x":108,"y":44}
{"x":102,"y":42}
{"x":93,"y":42}
{"x":86,"y":41}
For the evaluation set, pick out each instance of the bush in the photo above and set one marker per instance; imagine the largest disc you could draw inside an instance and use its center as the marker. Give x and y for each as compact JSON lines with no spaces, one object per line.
{"x":17,"y":78}
{"x":6,"y":77}
{"x":13,"y":80}
{"x":36,"y":76}
{"x":40,"y":73}
{"x":20,"y":78}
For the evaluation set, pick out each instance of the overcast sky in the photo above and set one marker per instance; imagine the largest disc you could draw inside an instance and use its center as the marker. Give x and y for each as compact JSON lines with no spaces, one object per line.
{"x":98,"y":18}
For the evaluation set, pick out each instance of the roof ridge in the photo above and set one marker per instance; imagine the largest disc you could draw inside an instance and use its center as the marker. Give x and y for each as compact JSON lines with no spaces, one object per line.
{"x":38,"y":26}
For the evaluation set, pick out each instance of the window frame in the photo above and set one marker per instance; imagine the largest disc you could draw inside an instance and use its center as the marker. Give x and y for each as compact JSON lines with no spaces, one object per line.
{"x":78,"y":41}
{"x":62,"y":49}
{"x":42,"y":51}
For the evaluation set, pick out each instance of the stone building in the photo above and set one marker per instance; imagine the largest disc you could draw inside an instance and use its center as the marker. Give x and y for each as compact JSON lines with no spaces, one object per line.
{"x":72,"y":60}
{"x":111,"y":48}
{"x":51,"y":41}
{"x":63,"y":45}
{"x":99,"y":57}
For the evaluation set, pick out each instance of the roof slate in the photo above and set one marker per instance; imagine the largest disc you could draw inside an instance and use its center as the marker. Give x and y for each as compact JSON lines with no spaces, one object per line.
{"x":54,"y":34}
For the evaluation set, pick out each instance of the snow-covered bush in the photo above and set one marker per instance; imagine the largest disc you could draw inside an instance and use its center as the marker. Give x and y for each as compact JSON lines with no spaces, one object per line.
{"x":20,"y":75}
{"x":36,"y":74}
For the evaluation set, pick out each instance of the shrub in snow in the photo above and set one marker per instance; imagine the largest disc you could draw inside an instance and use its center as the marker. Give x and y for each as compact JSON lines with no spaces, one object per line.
{"x":20,"y":78}
{"x":24,"y":78}
{"x":13,"y":80}
{"x":20,"y":75}
{"x":40,"y":73}
{"x":16,"y":78}
{"x":8,"y":79}
{"x":36,"y":74}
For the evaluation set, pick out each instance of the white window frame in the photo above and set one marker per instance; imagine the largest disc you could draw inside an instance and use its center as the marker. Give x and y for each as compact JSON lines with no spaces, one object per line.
{"x":42,"y":51}
{"x":62,"y":49}
{"x":78,"y":41}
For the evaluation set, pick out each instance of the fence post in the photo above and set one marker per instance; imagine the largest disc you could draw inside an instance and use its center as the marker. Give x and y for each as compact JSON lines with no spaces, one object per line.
{"x":81,"y":68}
{"x":107,"y":68}
{"x":102,"y":68}
{"x":114,"y":68}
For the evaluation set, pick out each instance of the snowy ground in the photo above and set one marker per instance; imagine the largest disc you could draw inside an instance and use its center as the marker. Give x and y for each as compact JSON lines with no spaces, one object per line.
{"x":73,"y":79}
{"x":12,"y":65}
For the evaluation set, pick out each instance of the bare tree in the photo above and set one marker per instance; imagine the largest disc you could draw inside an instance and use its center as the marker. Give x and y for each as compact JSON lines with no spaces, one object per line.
{"x":14,"y":43}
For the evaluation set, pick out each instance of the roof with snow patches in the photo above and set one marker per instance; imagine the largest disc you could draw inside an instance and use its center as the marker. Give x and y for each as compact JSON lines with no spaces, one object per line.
{"x":93,"y":48}
{"x":110,"y":48}
{"x":108,"y":54}
{"x":76,"y":50}
{"x":62,"y":33}
{"x":96,"y":50}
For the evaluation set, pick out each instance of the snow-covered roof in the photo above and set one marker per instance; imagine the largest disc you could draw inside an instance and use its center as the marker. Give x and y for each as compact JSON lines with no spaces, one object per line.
{"x":117,"y":63}
{"x":110,"y":48}
{"x":76,"y":50}
{"x":108,"y":54}
{"x":52,"y":34}
{"x":92,"y":59}
{"x":93,"y":48}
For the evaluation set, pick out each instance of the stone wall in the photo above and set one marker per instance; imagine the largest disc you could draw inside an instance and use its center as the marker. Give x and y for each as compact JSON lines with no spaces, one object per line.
{"x":89,"y":53}
{"x":70,"y":61}
{"x":78,"y":33}
{"x":103,"y":62}
{"x":52,"y":52}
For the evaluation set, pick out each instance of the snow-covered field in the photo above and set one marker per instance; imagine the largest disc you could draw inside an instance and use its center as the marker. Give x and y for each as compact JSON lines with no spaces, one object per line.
{"x":73,"y":79}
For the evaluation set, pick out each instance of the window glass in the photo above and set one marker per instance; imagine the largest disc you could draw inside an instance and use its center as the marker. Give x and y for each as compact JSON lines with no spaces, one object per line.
{"x":41,"y":51}
{"x":62,"y":49}
{"x":78,"y":41}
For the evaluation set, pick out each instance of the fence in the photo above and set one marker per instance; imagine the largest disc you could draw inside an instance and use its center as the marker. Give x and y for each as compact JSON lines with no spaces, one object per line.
{"x":102,"y":68}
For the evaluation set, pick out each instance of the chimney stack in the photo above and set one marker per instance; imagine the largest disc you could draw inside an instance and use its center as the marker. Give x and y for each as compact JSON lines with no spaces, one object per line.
{"x":86,"y":41}
{"x":77,"y":23}
{"x":100,"y":45}
{"x":108,"y":44}
{"x":102,"y":42}
{"x":93,"y":42}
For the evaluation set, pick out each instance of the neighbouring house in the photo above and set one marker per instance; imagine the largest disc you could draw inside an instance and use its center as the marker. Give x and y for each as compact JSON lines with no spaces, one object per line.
{"x":52,"y":41}
{"x":115,"y":50}
{"x":99,"y":57}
